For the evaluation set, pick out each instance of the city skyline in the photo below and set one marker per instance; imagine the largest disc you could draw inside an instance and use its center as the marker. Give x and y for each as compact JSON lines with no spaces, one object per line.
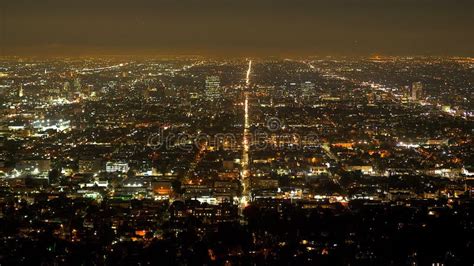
{"x":225,"y":132}
{"x":192,"y":160}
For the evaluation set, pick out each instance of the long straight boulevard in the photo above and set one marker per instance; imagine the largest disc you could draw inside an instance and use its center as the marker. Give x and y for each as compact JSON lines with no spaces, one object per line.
{"x":245,"y":174}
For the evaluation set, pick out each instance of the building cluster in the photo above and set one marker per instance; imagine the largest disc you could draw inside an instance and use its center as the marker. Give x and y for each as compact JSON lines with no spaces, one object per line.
{"x":348,"y":161}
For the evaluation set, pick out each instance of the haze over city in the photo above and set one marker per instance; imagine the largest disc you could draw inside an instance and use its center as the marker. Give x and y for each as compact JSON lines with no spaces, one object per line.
{"x":242,"y":28}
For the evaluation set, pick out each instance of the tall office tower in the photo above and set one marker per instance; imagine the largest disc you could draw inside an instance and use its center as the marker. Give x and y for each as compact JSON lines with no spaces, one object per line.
{"x":307,"y":89}
{"x":371,"y":97}
{"x":212,"y":87}
{"x":20,"y":91}
{"x":66,"y":90}
{"x":77,"y":84}
{"x":291,"y":90}
{"x":87,"y":91}
{"x":416,"y":91}
{"x":66,"y":86}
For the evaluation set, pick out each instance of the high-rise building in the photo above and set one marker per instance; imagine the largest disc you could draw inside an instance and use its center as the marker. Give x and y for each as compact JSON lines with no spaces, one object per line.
{"x":66,"y":86}
{"x":307,"y":89}
{"x":77,"y":84}
{"x":291,"y":90}
{"x":20,"y":92}
{"x":416,"y":91}
{"x":405,"y":91}
{"x":371,"y":97}
{"x":212,"y":87}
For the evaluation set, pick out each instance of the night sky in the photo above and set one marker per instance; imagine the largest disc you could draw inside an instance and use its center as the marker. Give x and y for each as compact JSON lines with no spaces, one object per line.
{"x":238,"y":27}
